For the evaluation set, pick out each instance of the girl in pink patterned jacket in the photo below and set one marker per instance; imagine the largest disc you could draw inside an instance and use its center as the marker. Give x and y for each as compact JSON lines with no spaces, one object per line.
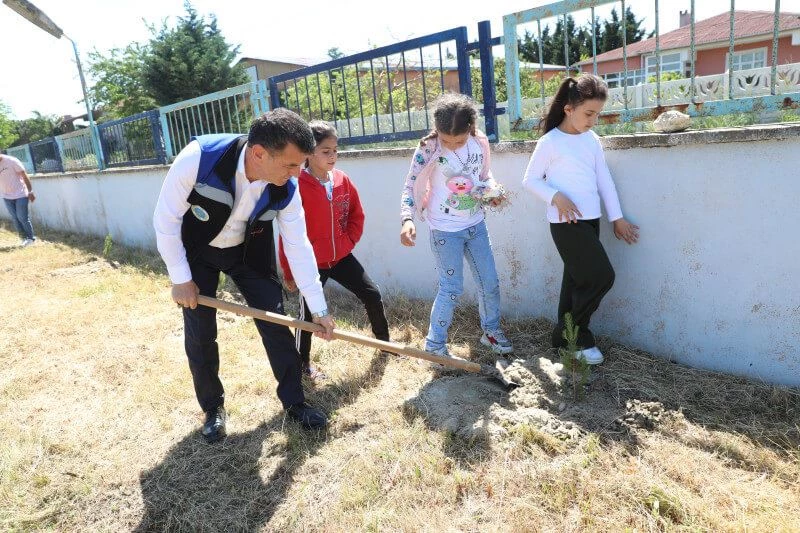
{"x":448,"y":184}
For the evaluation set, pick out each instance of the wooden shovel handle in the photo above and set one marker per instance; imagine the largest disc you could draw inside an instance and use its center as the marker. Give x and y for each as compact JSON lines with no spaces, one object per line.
{"x":363,"y":340}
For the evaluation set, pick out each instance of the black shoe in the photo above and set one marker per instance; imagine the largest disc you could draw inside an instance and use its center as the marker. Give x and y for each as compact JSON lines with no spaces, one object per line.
{"x":214,"y":426}
{"x":309,"y":417}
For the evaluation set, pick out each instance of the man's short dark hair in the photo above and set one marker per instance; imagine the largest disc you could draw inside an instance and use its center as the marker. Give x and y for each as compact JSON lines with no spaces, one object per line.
{"x":275,"y":129}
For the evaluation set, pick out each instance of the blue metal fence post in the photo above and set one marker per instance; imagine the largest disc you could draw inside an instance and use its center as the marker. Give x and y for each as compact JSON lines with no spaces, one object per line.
{"x":274,"y":94}
{"x":158,"y":138}
{"x":487,"y":80}
{"x":462,"y":56}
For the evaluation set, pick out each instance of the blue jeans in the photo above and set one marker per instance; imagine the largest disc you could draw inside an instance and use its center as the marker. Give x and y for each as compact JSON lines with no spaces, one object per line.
{"x":450,"y":248}
{"x":18,"y":209}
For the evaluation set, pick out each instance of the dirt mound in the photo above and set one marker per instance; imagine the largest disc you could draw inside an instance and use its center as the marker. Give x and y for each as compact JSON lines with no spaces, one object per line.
{"x":643,"y":415}
{"x":475,"y":407}
{"x":479,"y":408}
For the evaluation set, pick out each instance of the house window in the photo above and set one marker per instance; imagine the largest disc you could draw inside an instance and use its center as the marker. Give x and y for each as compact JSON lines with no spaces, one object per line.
{"x":614,"y":79}
{"x":669,"y":63}
{"x":749,"y":59}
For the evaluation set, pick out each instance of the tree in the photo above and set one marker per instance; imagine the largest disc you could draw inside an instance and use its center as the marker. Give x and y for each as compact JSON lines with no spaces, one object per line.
{"x":576,"y":40}
{"x":608,"y":34}
{"x":119,"y":88}
{"x":37,"y":127}
{"x":8,"y":132}
{"x":189,"y":60}
{"x":335,"y":53}
{"x":612,"y":31}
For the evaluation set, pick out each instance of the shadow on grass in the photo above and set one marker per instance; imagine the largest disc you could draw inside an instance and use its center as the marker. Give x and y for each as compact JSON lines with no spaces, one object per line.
{"x":201,"y":487}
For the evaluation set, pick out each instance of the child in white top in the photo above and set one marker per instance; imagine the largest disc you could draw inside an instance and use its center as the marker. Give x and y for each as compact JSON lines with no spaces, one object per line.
{"x":449,"y":182}
{"x":568,"y":171}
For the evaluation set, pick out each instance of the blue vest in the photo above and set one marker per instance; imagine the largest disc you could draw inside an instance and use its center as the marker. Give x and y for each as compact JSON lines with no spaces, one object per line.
{"x":211,"y":204}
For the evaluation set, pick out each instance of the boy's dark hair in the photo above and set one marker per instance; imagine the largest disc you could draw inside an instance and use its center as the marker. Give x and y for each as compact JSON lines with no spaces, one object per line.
{"x":322,"y":130}
{"x":453,"y":114}
{"x":275,"y":129}
{"x":573,"y":91}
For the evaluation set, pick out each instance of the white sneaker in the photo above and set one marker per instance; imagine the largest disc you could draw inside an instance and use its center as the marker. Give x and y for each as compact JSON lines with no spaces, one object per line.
{"x":498,"y":342}
{"x":27,"y":242}
{"x":443,"y":352}
{"x":592,"y":356}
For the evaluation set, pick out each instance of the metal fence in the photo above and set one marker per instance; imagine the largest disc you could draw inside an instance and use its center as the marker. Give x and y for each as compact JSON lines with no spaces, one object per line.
{"x":228,"y":111}
{"x":23,"y":153}
{"x":46,"y":156}
{"x":696,"y":96}
{"x":379,"y":95}
{"x":134,"y":140}
{"x":152,"y":137}
{"x":77,"y":152}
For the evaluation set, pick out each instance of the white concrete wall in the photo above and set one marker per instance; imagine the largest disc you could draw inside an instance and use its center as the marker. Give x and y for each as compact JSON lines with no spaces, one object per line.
{"x":119,"y":203}
{"x":711,"y":284}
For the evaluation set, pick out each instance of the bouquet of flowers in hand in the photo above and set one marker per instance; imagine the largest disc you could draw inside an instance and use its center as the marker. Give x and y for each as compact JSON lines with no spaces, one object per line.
{"x":492,"y":195}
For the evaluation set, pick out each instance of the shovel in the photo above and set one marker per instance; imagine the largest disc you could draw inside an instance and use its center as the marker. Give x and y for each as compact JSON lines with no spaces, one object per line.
{"x":495,"y":372}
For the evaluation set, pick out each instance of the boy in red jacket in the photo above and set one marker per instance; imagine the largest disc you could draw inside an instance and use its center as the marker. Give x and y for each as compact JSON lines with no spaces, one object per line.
{"x":334,"y":223}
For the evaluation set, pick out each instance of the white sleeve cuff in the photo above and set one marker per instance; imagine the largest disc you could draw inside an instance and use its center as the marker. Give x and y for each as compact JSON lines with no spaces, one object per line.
{"x":180,"y":273}
{"x":315,"y":299}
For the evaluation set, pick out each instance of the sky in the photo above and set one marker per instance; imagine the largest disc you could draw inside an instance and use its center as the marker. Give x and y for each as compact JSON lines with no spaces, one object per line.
{"x":39,"y":71}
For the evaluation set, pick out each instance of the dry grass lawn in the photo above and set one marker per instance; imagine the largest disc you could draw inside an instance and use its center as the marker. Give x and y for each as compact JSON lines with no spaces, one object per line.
{"x":101,"y":426}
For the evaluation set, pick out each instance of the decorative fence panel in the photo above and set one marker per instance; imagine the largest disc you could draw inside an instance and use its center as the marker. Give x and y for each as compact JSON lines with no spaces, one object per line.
{"x":46,"y":156}
{"x":775,"y":87}
{"x":378,"y":95}
{"x":77,"y":152}
{"x":228,"y":111}
{"x":134,"y":140}
{"x":23,"y":153}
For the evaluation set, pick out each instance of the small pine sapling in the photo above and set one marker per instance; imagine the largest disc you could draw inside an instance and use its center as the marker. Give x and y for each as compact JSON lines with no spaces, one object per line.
{"x":576,"y":369}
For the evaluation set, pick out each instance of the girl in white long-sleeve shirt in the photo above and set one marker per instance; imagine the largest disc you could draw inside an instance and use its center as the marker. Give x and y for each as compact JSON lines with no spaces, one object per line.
{"x":568,"y":171}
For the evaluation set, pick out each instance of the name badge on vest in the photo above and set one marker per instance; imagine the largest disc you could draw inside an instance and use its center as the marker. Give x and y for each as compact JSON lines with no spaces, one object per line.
{"x":200,"y":213}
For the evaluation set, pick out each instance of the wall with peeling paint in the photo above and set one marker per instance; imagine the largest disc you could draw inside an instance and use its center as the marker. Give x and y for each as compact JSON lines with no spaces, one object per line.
{"x":711,"y":284}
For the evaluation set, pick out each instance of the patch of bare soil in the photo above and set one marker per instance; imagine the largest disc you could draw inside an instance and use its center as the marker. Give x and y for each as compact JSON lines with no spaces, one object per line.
{"x":474,"y":407}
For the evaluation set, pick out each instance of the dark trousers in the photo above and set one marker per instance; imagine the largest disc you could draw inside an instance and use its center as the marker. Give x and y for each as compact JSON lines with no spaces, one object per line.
{"x":588,"y":276}
{"x":351,"y":275}
{"x":200,"y":327}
